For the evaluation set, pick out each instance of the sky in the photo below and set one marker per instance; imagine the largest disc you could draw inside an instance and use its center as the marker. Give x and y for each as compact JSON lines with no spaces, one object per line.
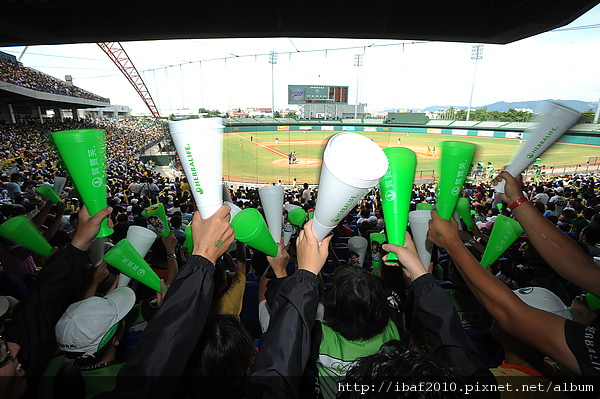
{"x":228,"y":74}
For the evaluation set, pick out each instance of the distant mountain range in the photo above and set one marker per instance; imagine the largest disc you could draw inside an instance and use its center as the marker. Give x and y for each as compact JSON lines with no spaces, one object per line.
{"x":501,"y":106}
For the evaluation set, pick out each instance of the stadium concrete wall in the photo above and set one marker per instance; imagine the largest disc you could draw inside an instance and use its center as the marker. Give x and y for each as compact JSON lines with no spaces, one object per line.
{"x":587,"y":140}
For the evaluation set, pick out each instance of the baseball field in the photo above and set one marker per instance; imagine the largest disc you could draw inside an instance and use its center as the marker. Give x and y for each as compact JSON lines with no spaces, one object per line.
{"x":264,"y":157}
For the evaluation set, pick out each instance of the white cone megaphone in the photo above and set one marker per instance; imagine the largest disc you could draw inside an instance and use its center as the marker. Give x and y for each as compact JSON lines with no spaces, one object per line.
{"x":556,"y":119}
{"x":141,"y":239}
{"x":271,"y":199}
{"x":342,"y":184}
{"x":419,"y":225}
{"x":199,"y":143}
{"x":358,"y":245}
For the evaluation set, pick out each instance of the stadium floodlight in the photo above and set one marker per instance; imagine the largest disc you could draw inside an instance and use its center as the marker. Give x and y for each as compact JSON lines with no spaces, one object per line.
{"x":358,"y":61}
{"x":476,"y":54}
{"x":273,"y":61}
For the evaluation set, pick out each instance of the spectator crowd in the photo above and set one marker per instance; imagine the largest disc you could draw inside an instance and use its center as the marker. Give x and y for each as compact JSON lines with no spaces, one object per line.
{"x":313,"y":321}
{"x":20,"y":75}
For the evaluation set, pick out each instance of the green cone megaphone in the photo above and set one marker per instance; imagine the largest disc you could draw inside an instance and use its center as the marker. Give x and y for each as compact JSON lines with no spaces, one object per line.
{"x":84,"y":153}
{"x":454,"y":166}
{"x":157,"y":217}
{"x":297,"y":216}
{"x":592,"y":301}
{"x":21,"y":231}
{"x":250,"y":228}
{"x":396,"y":193}
{"x":463,"y":206}
{"x":504,"y":233}
{"x":424,"y":206}
{"x":189,"y":240}
{"x":48,"y":192}
{"x":377,"y":240}
{"x":126,"y":258}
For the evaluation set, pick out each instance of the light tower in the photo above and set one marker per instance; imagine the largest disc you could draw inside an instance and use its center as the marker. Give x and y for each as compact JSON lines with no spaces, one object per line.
{"x":273,"y":61}
{"x":476,"y":54}
{"x":358,"y":61}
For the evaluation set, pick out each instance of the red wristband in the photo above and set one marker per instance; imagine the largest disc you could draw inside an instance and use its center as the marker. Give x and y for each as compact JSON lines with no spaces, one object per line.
{"x":516,"y":203}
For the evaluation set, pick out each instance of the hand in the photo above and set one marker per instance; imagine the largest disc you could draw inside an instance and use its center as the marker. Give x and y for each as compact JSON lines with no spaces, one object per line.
{"x":442,"y":232}
{"x":170,"y":242}
{"x":88,"y":227}
{"x":100,"y":273}
{"x":408,"y":258}
{"x":161,"y":295}
{"x":212,"y":236}
{"x":280,"y":261}
{"x":512,"y":189}
{"x":311,"y":255}
{"x":60,"y":208}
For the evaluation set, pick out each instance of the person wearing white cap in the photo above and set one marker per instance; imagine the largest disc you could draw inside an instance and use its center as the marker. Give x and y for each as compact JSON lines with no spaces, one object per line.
{"x":32,"y":323}
{"x":571,"y":344}
{"x":520,"y":358}
{"x":167,"y":343}
{"x":88,"y":334}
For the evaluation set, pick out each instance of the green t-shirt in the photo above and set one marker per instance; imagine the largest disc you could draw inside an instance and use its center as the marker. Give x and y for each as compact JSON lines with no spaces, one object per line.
{"x":97,"y":381}
{"x":337,"y":354}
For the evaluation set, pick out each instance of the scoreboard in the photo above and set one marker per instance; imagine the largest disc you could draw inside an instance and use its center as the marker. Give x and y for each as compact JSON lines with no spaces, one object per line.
{"x":303,"y":94}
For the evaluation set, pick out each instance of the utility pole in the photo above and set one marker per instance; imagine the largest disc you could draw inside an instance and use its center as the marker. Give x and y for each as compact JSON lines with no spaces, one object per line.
{"x":273,"y":61}
{"x":358,"y":61}
{"x":476,"y":54}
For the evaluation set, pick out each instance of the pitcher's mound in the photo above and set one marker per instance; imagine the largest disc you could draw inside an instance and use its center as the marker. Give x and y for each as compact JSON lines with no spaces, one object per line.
{"x":300,"y":163}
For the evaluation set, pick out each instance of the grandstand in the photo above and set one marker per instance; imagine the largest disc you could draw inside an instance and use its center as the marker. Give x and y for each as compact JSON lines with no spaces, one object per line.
{"x":27,"y":94}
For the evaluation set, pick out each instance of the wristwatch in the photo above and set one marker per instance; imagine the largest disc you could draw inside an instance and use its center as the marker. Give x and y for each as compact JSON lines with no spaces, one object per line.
{"x":171,"y":256}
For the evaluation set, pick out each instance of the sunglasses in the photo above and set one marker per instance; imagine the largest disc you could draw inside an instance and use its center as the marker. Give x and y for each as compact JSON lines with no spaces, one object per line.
{"x":8,"y":358}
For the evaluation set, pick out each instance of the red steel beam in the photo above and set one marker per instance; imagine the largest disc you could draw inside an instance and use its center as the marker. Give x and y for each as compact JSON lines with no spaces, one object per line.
{"x":117,"y":54}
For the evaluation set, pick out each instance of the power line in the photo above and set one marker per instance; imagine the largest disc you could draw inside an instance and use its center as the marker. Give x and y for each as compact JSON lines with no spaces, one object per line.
{"x":373,"y":45}
{"x":594,"y":26}
{"x":58,"y":56}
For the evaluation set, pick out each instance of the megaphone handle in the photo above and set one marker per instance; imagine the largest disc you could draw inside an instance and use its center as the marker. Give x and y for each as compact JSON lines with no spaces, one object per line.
{"x":392,"y":258}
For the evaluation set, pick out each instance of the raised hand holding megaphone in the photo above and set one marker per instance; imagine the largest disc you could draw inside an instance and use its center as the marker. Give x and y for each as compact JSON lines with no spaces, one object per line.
{"x":342,"y":184}
{"x":556,"y":119}
{"x":199,"y":143}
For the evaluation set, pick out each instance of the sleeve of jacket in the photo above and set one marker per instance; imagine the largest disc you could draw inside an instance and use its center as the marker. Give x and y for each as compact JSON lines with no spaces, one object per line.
{"x":286,"y":348}
{"x":447,"y":339}
{"x":164,"y":348}
{"x":33,"y":321}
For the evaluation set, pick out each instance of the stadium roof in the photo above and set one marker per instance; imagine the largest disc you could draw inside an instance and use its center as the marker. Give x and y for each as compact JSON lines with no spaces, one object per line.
{"x":30,"y":22}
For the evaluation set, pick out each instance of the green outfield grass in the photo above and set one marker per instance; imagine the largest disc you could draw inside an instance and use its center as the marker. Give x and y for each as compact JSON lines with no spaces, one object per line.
{"x":263,"y":161}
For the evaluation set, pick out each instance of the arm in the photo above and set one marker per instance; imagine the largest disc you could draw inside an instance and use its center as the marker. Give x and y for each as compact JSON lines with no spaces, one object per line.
{"x":286,"y":347}
{"x":170,"y":243}
{"x":56,"y":222}
{"x":240,"y":257}
{"x":447,"y":338}
{"x":39,"y":219}
{"x":542,"y":330}
{"x":558,"y":250}
{"x":98,"y":276}
{"x":169,"y":339}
